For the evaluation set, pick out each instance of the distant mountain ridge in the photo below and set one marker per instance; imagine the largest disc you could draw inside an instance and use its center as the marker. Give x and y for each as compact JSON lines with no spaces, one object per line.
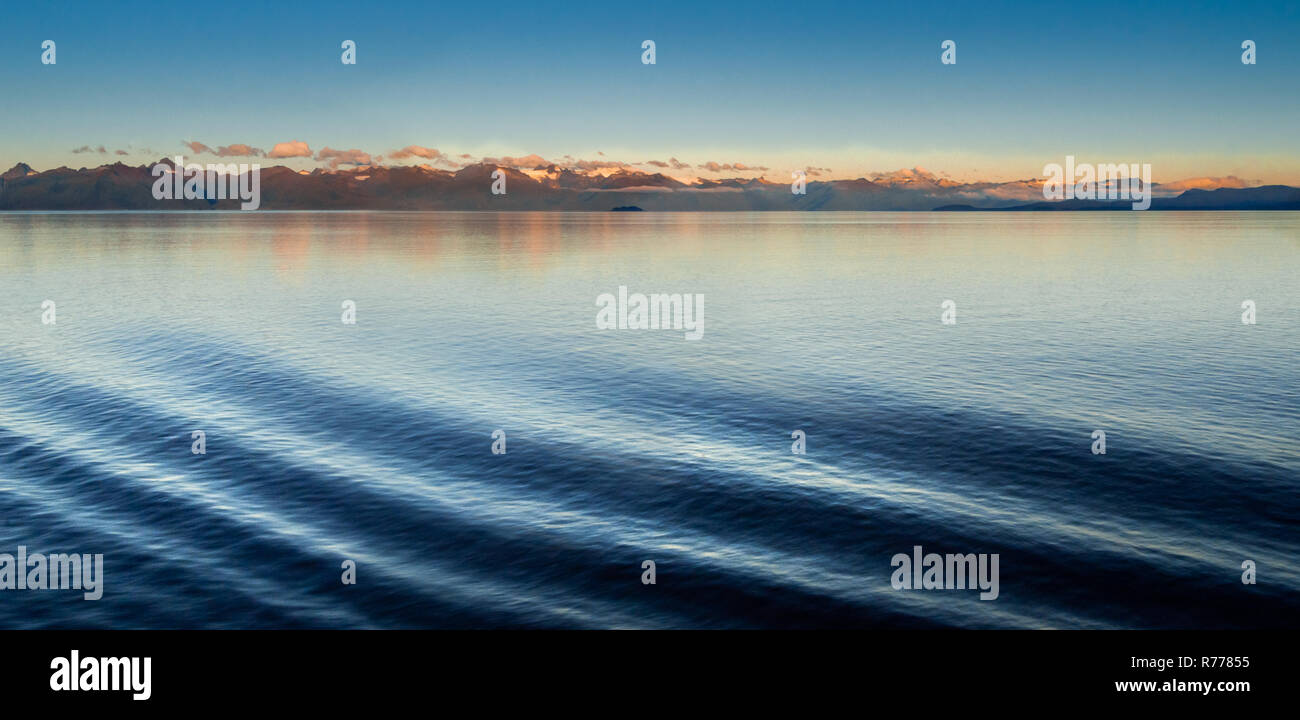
{"x":1265,"y":197}
{"x":124,"y":187}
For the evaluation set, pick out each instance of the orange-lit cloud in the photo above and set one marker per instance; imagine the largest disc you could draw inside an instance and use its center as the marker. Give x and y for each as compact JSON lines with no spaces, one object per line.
{"x":232,"y":150}
{"x":596,"y":165}
{"x":672,"y":163}
{"x":239,"y":150}
{"x":291,"y":149}
{"x":712,"y":166}
{"x":415,"y":151}
{"x":343,"y":157}
{"x":528,"y":161}
{"x":1208,"y":183}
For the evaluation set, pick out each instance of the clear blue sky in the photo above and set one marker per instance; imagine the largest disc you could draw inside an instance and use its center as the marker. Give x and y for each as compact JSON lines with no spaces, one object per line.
{"x":853,"y":86}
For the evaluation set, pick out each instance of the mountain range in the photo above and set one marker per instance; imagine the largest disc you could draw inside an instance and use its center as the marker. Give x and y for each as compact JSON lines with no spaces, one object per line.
{"x":119,"y":186}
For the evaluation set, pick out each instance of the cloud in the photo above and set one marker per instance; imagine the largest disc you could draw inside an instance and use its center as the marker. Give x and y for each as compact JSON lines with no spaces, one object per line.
{"x":529,"y":162}
{"x":120,"y":152}
{"x":291,"y":149}
{"x":88,"y":149}
{"x":673,"y":163}
{"x":906,"y":175}
{"x":239,"y":150}
{"x":1208,"y":183}
{"x":232,"y":150}
{"x":343,"y":157}
{"x":415,"y":151}
{"x":594,"y":165}
{"x":811,"y":171}
{"x":734,"y":167}
{"x":1018,"y":191}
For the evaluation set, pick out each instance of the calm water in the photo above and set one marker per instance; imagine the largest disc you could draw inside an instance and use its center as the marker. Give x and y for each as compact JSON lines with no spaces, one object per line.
{"x":371,"y":442}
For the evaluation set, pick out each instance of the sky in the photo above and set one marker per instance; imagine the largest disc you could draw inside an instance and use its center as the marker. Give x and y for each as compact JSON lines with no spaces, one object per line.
{"x":853,"y":87}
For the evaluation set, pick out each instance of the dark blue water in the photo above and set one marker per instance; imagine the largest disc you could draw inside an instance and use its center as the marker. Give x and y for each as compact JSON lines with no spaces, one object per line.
{"x":372,"y":442}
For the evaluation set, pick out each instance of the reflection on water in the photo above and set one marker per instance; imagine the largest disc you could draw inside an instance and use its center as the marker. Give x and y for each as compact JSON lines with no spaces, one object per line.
{"x":371,"y":441}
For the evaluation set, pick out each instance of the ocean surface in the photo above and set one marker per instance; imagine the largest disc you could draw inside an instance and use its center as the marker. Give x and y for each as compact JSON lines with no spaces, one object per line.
{"x":372,"y":442}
